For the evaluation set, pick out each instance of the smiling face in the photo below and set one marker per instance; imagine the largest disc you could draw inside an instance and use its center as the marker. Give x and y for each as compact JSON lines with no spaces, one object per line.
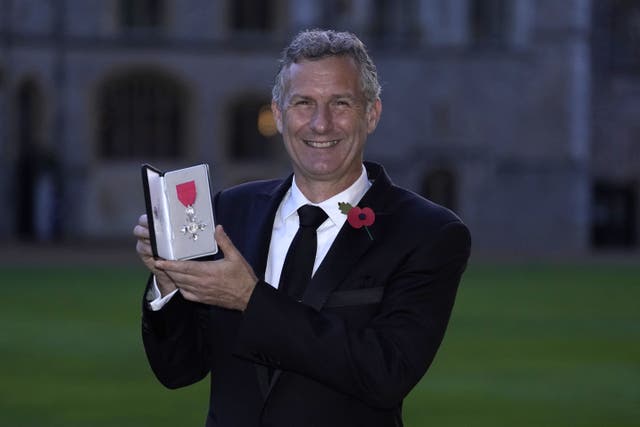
{"x":324,"y":121}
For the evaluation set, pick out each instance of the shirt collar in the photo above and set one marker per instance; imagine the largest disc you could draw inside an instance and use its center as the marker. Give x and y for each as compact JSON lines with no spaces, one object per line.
{"x":294,"y":199}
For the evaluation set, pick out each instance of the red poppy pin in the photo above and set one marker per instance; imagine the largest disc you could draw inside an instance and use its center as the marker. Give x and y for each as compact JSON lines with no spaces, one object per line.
{"x":358,"y":217}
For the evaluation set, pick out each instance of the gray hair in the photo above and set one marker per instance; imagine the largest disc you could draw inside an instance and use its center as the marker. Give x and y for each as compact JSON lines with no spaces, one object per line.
{"x":318,"y":44}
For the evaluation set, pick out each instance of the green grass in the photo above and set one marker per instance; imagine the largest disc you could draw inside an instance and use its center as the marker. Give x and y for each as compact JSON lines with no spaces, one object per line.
{"x":536,"y":346}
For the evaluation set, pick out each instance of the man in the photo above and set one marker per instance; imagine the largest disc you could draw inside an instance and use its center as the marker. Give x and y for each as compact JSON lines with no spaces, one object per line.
{"x":345,"y":347}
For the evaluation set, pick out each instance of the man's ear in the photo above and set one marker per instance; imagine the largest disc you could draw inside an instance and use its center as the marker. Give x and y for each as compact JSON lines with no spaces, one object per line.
{"x":373,"y":115}
{"x":277,"y":115}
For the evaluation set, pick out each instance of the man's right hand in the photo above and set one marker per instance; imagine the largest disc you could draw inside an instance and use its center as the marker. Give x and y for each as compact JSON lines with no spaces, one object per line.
{"x":143,"y":248}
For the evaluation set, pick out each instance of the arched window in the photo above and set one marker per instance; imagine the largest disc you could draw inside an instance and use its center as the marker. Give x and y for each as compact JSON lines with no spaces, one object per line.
{"x":253,"y":130}
{"x":440,"y":186}
{"x":142,"y":113}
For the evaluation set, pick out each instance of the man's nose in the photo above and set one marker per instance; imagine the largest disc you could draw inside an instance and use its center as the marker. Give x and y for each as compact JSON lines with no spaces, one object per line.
{"x":321,"y":121}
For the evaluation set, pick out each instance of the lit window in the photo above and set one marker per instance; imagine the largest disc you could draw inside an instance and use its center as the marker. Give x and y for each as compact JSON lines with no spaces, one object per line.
{"x":253,"y":132}
{"x":266,"y":122}
{"x":142,"y":114}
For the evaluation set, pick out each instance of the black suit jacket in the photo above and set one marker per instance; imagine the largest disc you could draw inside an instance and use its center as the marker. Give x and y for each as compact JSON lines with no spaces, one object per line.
{"x":365,"y":333}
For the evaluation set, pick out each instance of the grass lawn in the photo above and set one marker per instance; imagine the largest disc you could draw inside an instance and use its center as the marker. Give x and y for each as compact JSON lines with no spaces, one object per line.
{"x":532,"y":346}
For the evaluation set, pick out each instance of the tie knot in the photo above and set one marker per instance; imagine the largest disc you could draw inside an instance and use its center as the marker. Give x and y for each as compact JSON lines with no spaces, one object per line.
{"x":311,"y":216}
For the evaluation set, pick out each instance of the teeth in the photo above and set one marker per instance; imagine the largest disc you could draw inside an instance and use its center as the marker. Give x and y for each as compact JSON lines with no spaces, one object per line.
{"x":321,"y":144}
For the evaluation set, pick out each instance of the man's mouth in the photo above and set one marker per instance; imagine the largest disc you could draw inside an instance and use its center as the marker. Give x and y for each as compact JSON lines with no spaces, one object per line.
{"x":320,"y":144}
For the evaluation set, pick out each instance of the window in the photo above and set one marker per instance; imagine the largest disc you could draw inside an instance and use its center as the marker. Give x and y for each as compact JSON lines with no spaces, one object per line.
{"x":337,"y":14}
{"x":439,"y":186}
{"x":142,"y":114}
{"x":625,"y":34}
{"x":253,"y":130}
{"x":249,"y":15}
{"x":489,"y":21}
{"x":395,"y":20}
{"x":614,"y":215}
{"x":142,"y":14}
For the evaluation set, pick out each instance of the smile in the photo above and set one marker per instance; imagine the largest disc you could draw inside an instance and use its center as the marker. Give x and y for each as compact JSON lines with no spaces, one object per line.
{"x":320,"y":144}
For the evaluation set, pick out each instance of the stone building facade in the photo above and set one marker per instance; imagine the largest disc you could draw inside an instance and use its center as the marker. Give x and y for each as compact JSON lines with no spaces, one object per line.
{"x":523,"y":116}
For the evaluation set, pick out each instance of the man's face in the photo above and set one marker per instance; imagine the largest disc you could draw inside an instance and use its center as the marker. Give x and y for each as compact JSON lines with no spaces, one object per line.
{"x":324,"y":121}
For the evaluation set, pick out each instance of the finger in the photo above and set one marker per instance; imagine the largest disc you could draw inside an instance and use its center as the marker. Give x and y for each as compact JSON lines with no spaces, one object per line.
{"x":141,"y":232}
{"x":231,"y":253}
{"x":143,"y":220}
{"x":224,"y":242}
{"x":184,"y":267}
{"x":183,"y":280}
{"x":144,"y":248}
{"x":189,"y":296}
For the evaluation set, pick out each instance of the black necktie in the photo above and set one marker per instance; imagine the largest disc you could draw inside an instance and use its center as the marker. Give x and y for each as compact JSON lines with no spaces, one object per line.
{"x":298,"y":264}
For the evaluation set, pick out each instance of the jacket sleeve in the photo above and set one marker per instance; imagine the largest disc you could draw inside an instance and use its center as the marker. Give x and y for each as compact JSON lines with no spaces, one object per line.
{"x":180,"y":340}
{"x":175,"y":341}
{"x":378,"y":362}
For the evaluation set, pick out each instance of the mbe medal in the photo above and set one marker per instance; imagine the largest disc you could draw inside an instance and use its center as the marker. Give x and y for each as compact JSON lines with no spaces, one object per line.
{"x":187,"y":196}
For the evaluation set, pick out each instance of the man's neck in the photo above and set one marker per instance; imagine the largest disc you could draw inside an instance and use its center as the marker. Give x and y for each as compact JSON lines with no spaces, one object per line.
{"x":318,"y":191}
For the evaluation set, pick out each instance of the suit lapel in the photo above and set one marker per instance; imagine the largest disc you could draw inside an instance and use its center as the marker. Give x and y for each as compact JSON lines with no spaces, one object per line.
{"x":351,"y":243}
{"x":349,"y":246}
{"x":258,"y":237}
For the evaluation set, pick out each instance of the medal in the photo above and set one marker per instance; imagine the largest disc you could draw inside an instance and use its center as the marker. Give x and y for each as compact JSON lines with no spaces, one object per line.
{"x":187,"y":196}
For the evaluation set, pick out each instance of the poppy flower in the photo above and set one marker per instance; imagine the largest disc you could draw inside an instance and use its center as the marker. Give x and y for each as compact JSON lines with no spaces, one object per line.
{"x":358,"y":217}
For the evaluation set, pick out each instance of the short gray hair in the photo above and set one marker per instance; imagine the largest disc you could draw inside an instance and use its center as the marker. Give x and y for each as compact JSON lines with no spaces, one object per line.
{"x":318,"y":44}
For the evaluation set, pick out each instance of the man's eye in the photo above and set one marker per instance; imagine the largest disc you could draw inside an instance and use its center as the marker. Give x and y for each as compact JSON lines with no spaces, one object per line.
{"x":301,"y":102}
{"x":342,"y":103}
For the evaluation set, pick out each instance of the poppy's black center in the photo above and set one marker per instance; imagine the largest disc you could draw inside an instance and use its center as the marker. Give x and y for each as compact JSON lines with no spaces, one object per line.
{"x":362,"y":216}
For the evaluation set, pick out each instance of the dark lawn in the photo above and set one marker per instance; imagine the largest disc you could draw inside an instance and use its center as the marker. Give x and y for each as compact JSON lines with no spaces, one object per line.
{"x":540,"y":345}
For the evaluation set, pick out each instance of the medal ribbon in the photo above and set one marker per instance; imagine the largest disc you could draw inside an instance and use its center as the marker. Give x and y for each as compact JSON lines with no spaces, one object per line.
{"x":187,"y":193}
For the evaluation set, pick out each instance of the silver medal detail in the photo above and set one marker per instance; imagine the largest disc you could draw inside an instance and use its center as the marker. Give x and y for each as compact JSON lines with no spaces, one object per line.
{"x":193,"y":226}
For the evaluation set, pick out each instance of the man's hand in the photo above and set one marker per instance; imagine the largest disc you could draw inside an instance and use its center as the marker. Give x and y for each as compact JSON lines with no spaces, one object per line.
{"x":227,"y":282}
{"x":143,"y":248}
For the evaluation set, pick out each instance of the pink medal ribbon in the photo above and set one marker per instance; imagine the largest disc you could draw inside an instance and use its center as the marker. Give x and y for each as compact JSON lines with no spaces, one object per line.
{"x":187,"y":196}
{"x":187,"y":193}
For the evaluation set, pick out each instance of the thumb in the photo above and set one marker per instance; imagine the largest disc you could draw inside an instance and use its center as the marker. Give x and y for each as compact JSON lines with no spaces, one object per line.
{"x":225,"y":243}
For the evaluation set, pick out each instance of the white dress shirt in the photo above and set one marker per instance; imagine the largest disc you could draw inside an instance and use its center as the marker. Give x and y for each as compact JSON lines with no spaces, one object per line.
{"x":285,"y":226}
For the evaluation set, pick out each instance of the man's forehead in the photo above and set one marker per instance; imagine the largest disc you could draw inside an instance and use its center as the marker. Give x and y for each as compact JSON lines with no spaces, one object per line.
{"x":335,"y":76}
{"x":330,"y":62}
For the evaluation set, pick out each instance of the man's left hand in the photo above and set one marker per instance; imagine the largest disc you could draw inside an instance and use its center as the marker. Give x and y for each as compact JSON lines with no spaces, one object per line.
{"x":227,"y":282}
